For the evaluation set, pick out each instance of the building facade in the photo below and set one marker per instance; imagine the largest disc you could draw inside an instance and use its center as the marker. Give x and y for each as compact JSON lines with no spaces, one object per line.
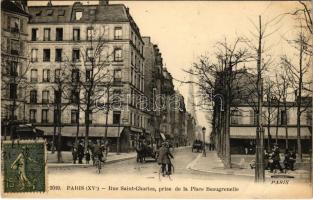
{"x":102,"y":43}
{"x":14,"y":64}
{"x":153,"y":86}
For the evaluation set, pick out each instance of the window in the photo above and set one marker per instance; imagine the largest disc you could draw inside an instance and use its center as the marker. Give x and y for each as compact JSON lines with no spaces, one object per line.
{"x":46,"y":36}
{"x":75,"y":75}
{"x":15,"y":47}
{"x":44,"y":116}
{"x":33,"y":75}
{"x":90,"y":118}
{"x":55,"y":116}
{"x":33,"y":96}
{"x":78,"y":15}
{"x":74,"y":96}
{"x":253,"y":117}
{"x":75,"y":55}
{"x":117,"y":96}
{"x":34,"y":34}
{"x":13,"y":90}
{"x":117,"y":75}
{"x":59,"y":34}
{"x":32,"y":115}
{"x":50,"y":12}
{"x":76,"y":34}
{"x":13,"y":68}
{"x":283,"y":117}
{"x":46,"y":55}
{"x":61,"y":12}
{"x":45,"y":96}
{"x":57,"y":96}
{"x":89,"y":54}
{"x":58,"y":55}
{"x":116,"y":117}
{"x":57,"y":74}
{"x":235,"y":117}
{"x":46,"y":75}
{"x":88,"y":75}
{"x":34,"y":55}
{"x":14,"y":25}
{"x":74,"y":116}
{"x":309,"y":117}
{"x":132,"y":57}
{"x":118,"y":55}
{"x":90,"y":33}
{"x":118,"y":33}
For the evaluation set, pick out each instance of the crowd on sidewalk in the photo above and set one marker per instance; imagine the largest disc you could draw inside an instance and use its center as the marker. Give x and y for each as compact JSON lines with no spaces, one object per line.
{"x":272,"y":160}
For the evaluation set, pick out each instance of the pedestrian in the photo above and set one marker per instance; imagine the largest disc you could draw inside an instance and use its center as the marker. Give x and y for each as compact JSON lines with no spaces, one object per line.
{"x":87,"y":157}
{"x":276,"y":158}
{"x":164,"y":159}
{"x":74,"y":154}
{"x":80,"y":153}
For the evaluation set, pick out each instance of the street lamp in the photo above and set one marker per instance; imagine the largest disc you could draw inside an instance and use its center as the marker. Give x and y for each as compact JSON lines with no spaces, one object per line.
{"x":203,"y":133}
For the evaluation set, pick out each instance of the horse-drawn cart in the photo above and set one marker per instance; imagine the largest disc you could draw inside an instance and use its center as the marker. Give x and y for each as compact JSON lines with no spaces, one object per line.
{"x":197,"y":145}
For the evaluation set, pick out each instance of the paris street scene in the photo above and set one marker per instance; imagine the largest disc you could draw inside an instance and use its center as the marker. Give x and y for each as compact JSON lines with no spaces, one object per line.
{"x":158,"y":92}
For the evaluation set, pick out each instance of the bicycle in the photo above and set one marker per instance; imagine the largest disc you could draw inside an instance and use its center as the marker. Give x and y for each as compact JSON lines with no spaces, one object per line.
{"x":166,"y":173}
{"x":98,"y":164}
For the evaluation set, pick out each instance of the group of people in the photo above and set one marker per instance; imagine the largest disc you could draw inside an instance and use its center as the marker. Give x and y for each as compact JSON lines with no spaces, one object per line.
{"x":272,"y":160}
{"x":94,"y":151}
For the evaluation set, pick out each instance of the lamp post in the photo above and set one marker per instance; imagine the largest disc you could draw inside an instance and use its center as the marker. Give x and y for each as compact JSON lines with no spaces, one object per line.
{"x":203,"y":134}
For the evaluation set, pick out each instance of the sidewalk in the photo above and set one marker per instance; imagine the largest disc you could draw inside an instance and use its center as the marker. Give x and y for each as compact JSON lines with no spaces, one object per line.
{"x":240,"y":166}
{"x":68,"y":159}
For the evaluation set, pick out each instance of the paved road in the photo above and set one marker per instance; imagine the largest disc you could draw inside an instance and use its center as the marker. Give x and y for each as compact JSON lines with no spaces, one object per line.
{"x":131,"y":174}
{"x":150,"y":169}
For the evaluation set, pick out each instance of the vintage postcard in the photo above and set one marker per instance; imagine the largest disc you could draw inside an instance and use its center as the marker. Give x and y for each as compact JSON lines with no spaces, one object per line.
{"x":156,"y":99}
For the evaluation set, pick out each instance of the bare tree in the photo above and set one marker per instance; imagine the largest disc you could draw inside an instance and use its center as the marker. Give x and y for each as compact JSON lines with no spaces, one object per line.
{"x":297,"y":73}
{"x":217,"y":76}
{"x":93,"y":73}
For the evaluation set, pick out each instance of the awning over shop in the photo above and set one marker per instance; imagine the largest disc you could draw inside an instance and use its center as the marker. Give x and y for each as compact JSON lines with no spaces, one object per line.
{"x":27,"y":130}
{"x":136,"y":129}
{"x":70,"y":131}
{"x":250,"y":132}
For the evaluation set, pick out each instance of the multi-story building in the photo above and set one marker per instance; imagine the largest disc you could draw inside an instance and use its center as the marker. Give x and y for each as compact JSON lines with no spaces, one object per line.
{"x":179,"y":121}
{"x":69,"y":35}
{"x":279,"y":119}
{"x":153,"y":85}
{"x":167,"y":111}
{"x":14,"y":64}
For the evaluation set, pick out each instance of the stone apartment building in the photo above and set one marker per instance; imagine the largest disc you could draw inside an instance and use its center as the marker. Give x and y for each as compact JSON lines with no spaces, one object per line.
{"x":63,"y":36}
{"x":153,"y":85}
{"x":14,"y":63}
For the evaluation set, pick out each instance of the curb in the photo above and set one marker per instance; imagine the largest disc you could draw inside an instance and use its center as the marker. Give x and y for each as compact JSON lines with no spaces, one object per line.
{"x":191,"y":166}
{"x":64,"y":165}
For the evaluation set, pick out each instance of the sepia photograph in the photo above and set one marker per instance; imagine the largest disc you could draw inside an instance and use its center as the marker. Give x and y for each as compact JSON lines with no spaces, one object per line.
{"x":170,"y":99}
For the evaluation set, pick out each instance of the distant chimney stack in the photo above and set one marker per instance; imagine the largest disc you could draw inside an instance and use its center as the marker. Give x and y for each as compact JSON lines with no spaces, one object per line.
{"x":103,"y":2}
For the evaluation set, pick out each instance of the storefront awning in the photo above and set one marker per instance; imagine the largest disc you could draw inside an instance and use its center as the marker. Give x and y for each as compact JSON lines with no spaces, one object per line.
{"x":136,"y":129}
{"x":250,"y":132}
{"x":70,"y":131}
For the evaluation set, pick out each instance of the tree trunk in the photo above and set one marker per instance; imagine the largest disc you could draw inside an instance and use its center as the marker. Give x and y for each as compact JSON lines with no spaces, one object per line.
{"x":59,"y":121}
{"x":227,"y":136}
{"x":277,"y":121}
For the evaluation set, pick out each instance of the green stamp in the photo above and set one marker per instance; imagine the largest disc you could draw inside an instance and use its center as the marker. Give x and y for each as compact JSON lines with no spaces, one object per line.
{"x":24,"y":166}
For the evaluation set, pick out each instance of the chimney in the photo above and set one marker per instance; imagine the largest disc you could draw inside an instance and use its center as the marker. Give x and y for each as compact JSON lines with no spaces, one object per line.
{"x":103,"y":2}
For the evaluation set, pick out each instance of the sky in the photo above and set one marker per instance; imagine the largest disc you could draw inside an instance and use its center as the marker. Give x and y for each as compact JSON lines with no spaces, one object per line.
{"x":184,"y":30}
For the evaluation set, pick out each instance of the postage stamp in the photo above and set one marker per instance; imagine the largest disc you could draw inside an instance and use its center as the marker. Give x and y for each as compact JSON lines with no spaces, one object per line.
{"x":24,"y":167}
